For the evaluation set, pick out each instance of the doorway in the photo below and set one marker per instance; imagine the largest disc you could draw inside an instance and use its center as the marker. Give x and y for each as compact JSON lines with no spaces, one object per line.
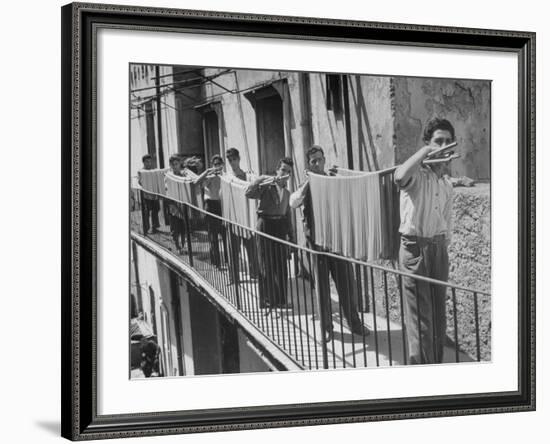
{"x":270,"y":126}
{"x":211,"y":134}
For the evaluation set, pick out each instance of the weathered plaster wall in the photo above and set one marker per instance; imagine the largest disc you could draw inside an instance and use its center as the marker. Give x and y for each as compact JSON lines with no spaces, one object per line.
{"x":239,"y":118}
{"x":328,"y":127}
{"x":465,"y":103}
{"x":372,"y":122}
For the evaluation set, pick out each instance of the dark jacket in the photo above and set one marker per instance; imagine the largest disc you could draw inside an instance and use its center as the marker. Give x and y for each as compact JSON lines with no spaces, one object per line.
{"x":270,"y":203}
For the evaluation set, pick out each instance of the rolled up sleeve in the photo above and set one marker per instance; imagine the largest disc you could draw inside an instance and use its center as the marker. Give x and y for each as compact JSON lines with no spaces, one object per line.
{"x":297,"y":198}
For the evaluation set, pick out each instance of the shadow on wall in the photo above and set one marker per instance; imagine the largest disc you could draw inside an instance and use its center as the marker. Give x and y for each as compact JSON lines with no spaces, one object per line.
{"x":369,"y":152}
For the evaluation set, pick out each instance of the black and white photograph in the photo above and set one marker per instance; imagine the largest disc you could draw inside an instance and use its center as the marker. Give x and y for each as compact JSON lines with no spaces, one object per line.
{"x":289,"y":221}
{"x":275,"y":222}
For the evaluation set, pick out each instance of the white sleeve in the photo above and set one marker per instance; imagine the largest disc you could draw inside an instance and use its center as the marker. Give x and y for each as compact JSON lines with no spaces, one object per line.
{"x":449,"y":217}
{"x":297,"y":198}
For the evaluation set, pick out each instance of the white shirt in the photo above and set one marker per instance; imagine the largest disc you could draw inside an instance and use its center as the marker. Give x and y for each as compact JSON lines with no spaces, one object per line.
{"x":426,"y":205}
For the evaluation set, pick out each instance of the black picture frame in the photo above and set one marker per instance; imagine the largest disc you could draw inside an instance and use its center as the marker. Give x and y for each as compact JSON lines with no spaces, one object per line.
{"x":80,"y":22}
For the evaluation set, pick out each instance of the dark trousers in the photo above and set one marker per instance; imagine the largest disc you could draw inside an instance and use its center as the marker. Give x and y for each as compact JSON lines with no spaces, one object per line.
{"x":177,"y":225}
{"x":425,"y":317}
{"x":236,"y":238}
{"x":344,"y":278}
{"x":151,"y":210}
{"x":272,"y":262}
{"x":215,"y":230}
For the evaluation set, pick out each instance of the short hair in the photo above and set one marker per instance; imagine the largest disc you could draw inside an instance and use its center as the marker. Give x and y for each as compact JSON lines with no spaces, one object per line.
{"x":232,"y":152}
{"x":313,"y":150}
{"x":173,"y":158}
{"x":192,"y":163}
{"x":287,"y":161}
{"x":214,"y":158}
{"x":146,"y":157}
{"x":435,"y":124}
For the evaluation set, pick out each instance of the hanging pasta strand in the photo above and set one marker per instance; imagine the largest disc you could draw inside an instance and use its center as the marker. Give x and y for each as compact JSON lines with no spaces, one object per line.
{"x":350,"y":211}
{"x":152,"y":180}
{"x":235,"y":205}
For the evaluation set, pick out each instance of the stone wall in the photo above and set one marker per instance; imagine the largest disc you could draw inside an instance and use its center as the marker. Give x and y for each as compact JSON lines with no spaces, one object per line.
{"x":470,"y":266}
{"x":470,"y":249}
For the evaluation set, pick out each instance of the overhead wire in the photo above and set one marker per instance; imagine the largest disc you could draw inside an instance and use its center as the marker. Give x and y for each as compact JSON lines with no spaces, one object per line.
{"x":201,"y":77}
{"x":199,"y":104}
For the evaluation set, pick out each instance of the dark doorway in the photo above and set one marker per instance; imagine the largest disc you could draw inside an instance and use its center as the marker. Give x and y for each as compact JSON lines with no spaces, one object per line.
{"x":271,"y":139}
{"x":229,"y":339}
{"x":150,"y":130}
{"x":205,"y":331}
{"x":211,"y":134}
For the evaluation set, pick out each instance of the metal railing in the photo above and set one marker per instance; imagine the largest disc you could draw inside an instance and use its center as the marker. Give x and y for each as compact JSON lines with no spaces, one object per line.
{"x":286,"y":292}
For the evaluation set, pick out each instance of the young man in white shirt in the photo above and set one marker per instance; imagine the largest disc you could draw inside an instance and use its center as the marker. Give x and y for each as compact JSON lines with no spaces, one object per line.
{"x":176,"y":210}
{"x":426,"y":196}
{"x":236,"y":237}
{"x":210,"y":182}
{"x":151,"y":202}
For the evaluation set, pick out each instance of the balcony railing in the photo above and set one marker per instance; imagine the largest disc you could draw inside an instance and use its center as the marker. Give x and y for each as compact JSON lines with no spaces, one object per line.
{"x":275,"y":285}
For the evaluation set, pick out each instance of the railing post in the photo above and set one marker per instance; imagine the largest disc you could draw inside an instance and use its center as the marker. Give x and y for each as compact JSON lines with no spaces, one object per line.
{"x":455,"y":321}
{"x":234,"y":242}
{"x":318,"y":272}
{"x":476,"y":322}
{"x":188,"y":234}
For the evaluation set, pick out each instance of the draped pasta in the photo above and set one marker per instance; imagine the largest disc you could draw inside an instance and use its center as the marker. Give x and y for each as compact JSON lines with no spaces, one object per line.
{"x":355,"y":212}
{"x":235,"y":205}
{"x":152,"y":180}
{"x":182,"y":189}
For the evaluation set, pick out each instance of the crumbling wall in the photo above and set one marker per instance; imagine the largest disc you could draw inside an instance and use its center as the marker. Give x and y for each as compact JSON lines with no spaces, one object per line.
{"x":371,"y":122}
{"x":465,"y":103}
{"x":470,"y":266}
{"x":470,"y":248}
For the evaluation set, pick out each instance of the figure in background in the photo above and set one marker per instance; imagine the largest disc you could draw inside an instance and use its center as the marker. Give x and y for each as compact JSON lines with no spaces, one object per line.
{"x":233,"y":158}
{"x":151,"y":204}
{"x":148,"y":351}
{"x":426,"y":205}
{"x":210,"y":182}
{"x":194,"y":164}
{"x":341,"y":271}
{"x":176,"y":210}
{"x":273,"y":219}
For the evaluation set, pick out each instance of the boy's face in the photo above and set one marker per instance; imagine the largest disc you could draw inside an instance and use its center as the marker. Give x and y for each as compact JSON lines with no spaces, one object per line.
{"x":441,"y":138}
{"x":316,"y":162}
{"x":148,"y":163}
{"x":175,"y":165}
{"x":284,"y":170}
{"x":218,"y":163}
{"x":234,"y":162}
